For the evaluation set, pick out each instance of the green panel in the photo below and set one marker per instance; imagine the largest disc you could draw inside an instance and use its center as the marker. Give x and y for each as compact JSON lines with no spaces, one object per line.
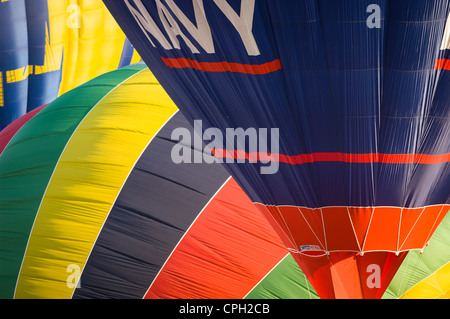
{"x":25,"y":173}
{"x":285,"y":281}
{"x":417,"y":266}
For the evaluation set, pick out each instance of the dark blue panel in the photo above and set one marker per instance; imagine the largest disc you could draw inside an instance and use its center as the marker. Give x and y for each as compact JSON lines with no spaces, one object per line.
{"x":43,"y":88}
{"x":157,"y":204}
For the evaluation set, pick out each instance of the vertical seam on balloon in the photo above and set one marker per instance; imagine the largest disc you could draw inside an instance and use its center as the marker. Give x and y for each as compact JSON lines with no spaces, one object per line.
{"x":353,"y":228}
{"x":321,"y":244}
{"x":53,"y":172}
{"x":397,"y":248}
{"x":409,"y":233}
{"x":120,"y":190}
{"x":324,"y":232}
{"x":264,"y":277}
{"x":185,"y":233}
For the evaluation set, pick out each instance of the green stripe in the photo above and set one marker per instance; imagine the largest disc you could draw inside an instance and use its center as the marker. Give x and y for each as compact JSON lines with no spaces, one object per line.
{"x":285,"y":281}
{"x":28,"y":162}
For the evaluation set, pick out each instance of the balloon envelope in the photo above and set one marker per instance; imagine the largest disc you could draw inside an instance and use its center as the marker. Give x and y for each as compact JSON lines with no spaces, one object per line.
{"x":359,"y":93}
{"x":164,"y":230}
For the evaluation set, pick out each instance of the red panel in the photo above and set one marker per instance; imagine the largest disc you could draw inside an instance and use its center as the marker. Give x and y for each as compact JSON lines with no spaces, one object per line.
{"x":314,"y":218}
{"x":361,"y":219}
{"x":224,"y":254}
{"x":302,"y":232}
{"x":383,"y":229}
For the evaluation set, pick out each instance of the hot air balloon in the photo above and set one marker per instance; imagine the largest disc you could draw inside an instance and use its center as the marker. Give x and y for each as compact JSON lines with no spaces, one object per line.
{"x":92,"y":206}
{"x":48,"y":47}
{"x":72,"y":227}
{"x":358,"y":91}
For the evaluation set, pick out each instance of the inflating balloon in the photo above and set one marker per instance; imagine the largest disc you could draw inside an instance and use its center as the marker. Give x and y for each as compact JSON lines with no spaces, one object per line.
{"x":359,"y":93}
{"x":48,"y":47}
{"x":92,"y":206}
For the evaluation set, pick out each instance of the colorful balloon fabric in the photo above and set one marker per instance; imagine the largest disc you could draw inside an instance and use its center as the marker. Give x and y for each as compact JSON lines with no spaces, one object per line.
{"x":358,"y":90}
{"x":48,"y":47}
{"x":88,"y":188}
{"x":92,"y":206}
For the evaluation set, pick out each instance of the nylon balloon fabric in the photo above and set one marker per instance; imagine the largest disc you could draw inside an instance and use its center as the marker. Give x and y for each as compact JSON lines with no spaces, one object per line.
{"x":75,"y":224}
{"x":92,"y":206}
{"x":359,"y":93}
{"x":48,"y":47}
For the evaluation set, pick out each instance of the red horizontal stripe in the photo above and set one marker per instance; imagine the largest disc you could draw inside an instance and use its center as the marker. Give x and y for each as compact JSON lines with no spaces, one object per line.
{"x":336,"y":157}
{"x":443,"y":64}
{"x":223,"y":66}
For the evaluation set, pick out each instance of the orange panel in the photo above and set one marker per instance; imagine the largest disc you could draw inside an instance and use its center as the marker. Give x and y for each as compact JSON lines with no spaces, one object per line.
{"x":273,"y":215}
{"x":338,"y":229}
{"x":383,"y":229}
{"x":314,"y":218}
{"x":227,"y":250}
{"x":409,"y":218}
{"x":444,"y":211}
{"x":345,"y":275}
{"x":299,"y":228}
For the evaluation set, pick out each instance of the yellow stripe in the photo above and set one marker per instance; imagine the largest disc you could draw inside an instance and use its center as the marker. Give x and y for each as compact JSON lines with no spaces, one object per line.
{"x":434,"y":286}
{"x":93,"y":46}
{"x":86,"y":182}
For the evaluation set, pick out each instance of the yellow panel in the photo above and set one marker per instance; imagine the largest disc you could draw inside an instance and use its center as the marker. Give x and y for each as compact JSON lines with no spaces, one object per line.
{"x":136,"y":57}
{"x":86,"y":182}
{"x":434,"y":286}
